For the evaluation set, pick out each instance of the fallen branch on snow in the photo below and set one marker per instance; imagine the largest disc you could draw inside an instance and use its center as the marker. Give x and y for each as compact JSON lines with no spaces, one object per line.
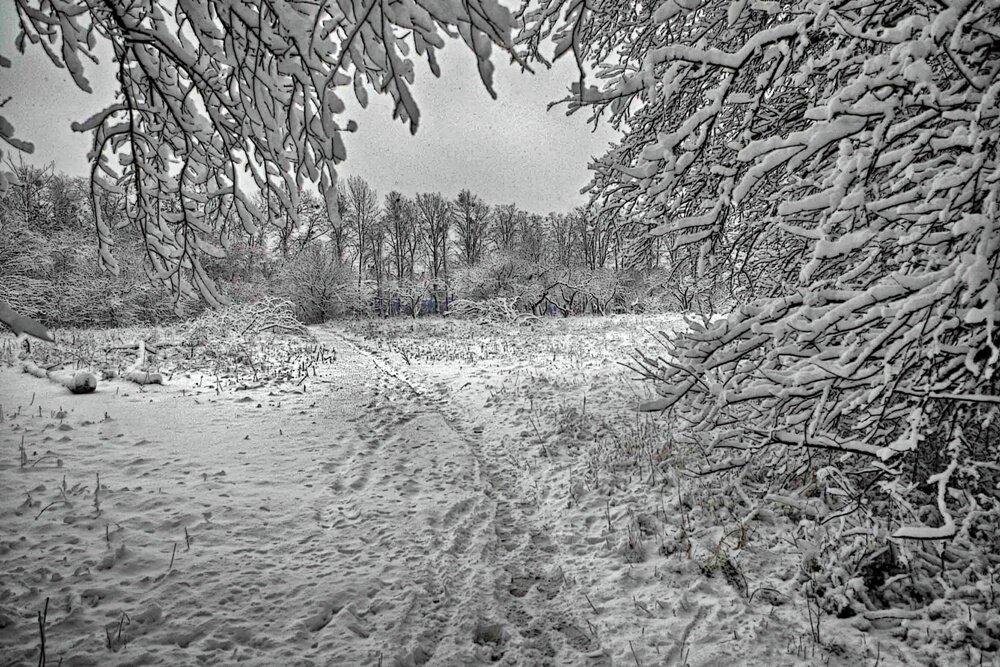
{"x":80,"y":382}
{"x":134,"y":373}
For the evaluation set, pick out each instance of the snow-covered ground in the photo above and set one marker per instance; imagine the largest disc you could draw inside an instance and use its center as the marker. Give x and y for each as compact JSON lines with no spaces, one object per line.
{"x":441,"y":493}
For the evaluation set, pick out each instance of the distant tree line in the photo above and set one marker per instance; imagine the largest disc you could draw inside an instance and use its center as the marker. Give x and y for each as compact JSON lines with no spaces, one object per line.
{"x":388,"y":255}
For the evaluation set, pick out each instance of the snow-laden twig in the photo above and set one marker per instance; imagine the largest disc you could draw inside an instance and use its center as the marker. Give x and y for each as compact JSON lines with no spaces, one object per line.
{"x":945,"y":531}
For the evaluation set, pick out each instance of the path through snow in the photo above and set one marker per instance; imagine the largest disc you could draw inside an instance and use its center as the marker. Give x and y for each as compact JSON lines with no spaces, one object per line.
{"x":358,"y":519}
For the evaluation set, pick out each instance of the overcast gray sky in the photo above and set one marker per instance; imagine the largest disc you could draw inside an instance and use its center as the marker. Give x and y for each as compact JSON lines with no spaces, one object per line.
{"x":507,"y":151}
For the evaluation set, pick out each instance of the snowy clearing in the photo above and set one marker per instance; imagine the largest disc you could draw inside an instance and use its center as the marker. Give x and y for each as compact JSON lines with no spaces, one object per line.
{"x":438,"y":493}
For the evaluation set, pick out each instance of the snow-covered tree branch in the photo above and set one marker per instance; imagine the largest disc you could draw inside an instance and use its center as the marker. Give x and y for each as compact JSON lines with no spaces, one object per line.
{"x":220,"y":99}
{"x":842,"y":162}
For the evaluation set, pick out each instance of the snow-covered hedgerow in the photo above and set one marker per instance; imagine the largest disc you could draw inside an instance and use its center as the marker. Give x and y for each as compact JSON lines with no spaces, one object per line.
{"x":841,"y":160}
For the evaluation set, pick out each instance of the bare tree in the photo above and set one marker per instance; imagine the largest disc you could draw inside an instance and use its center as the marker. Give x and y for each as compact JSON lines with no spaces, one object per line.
{"x":472,"y":220}
{"x":402,"y":234}
{"x":595,"y":233}
{"x":363,"y":214}
{"x":563,"y":233}
{"x":434,"y":217}
{"x":339,"y":229}
{"x":534,"y":239}
{"x":314,"y":221}
{"x":507,"y":223}
{"x":293,"y":228}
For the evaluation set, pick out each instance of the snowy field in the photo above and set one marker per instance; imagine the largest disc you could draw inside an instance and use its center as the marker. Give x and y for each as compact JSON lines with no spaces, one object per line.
{"x":399,"y":493}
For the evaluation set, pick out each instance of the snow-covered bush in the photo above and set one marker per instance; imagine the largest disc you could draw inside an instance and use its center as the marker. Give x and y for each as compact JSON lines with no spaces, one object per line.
{"x":495,"y":309}
{"x":317,"y":283}
{"x":50,"y":275}
{"x":268,"y":315}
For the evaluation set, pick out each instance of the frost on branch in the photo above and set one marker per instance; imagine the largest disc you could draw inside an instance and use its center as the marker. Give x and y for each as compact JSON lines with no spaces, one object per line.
{"x":840,"y":163}
{"x":221,"y":98}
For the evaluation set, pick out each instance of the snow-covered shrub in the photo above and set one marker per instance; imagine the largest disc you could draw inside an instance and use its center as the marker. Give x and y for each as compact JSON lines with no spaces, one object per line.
{"x":49,"y":274}
{"x":318,"y":284}
{"x":496,"y":309}
{"x":501,"y":275}
{"x":244,"y":319}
